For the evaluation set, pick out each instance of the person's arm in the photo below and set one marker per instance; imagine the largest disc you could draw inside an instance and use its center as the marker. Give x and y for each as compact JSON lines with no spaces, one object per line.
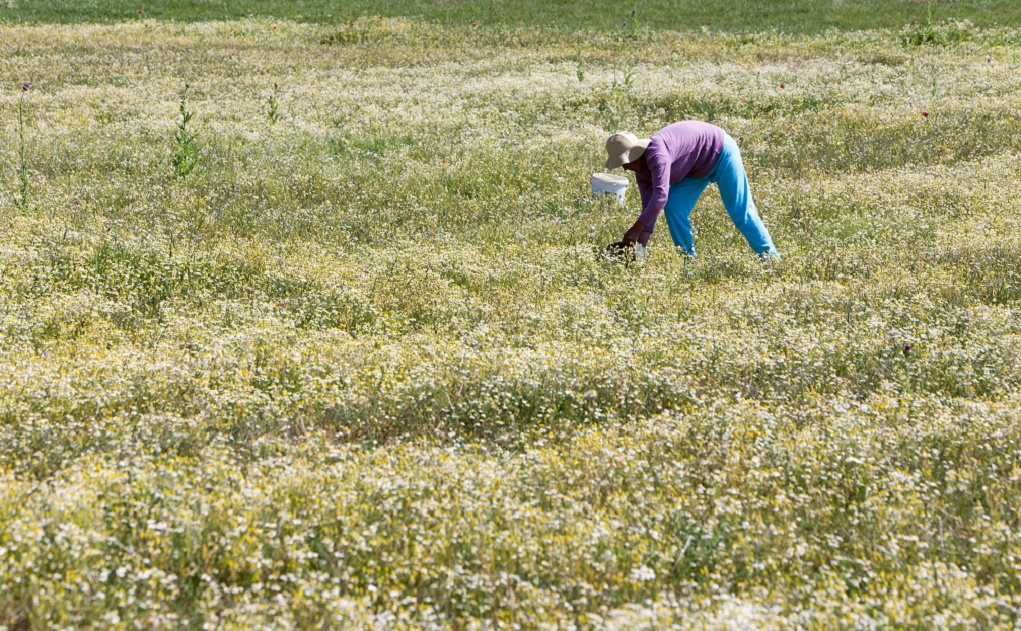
{"x":645,"y":191}
{"x":654,"y":190}
{"x":659,"y":183}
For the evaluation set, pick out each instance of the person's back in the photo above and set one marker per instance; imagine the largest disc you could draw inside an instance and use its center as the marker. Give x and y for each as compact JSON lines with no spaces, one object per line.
{"x":690,"y":147}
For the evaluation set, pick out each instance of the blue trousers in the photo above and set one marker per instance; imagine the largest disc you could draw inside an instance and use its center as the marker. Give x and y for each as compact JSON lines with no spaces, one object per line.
{"x":729,"y":176}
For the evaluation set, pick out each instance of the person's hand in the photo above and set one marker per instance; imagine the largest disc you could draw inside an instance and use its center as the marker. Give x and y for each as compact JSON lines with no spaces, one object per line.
{"x":631,"y":236}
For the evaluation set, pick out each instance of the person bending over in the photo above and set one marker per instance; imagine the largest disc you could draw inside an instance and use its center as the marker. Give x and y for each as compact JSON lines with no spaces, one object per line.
{"x":673,"y":168}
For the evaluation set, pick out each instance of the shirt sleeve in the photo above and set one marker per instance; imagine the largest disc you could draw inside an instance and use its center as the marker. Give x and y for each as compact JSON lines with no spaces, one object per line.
{"x":645,"y":190}
{"x":658,"y":185}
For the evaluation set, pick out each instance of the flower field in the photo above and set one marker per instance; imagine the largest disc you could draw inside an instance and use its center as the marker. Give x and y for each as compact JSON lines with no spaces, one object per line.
{"x":361,"y":367}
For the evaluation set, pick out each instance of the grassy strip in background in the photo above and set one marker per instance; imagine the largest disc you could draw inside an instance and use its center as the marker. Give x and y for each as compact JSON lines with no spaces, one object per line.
{"x":801,"y":16}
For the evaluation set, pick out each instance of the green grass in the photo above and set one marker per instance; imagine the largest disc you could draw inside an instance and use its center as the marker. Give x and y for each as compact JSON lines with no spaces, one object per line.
{"x":799,"y":16}
{"x":362,"y":368}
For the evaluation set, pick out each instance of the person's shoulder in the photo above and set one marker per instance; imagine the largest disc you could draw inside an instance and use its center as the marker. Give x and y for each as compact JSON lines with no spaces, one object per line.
{"x":659,"y":148}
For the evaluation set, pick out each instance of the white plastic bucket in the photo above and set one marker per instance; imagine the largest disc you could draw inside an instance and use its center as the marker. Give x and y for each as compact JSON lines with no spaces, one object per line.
{"x":604,"y":183}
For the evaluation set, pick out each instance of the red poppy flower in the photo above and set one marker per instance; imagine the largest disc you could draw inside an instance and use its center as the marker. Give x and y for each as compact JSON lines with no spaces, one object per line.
{"x":925,"y":114}
{"x":139,"y":12}
{"x":474,"y":24}
{"x":741,"y":99}
{"x":274,"y":27}
{"x":781,"y":86}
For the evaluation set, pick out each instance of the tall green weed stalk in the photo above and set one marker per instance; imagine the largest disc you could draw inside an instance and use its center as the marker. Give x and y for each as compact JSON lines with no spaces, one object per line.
{"x":273,"y":106}
{"x":185,"y":159}
{"x":23,"y":189}
{"x":616,"y":103}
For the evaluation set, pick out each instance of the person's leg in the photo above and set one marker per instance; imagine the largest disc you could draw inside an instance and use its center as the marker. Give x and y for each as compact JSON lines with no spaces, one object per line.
{"x":680,"y":201}
{"x":730,"y":176}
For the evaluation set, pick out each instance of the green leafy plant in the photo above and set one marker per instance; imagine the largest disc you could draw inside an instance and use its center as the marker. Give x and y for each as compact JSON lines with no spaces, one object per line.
{"x":940,"y":34}
{"x":627,"y":78}
{"x":273,"y":106}
{"x":616,"y":103}
{"x":184,"y":159}
{"x":628,"y":30}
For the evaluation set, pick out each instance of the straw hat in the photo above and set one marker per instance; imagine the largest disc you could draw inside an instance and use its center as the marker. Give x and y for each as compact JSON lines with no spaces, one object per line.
{"x":624,"y":147}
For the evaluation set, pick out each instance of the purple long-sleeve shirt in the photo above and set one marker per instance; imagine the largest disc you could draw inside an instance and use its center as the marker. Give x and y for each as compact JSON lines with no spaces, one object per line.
{"x":680,"y":150}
